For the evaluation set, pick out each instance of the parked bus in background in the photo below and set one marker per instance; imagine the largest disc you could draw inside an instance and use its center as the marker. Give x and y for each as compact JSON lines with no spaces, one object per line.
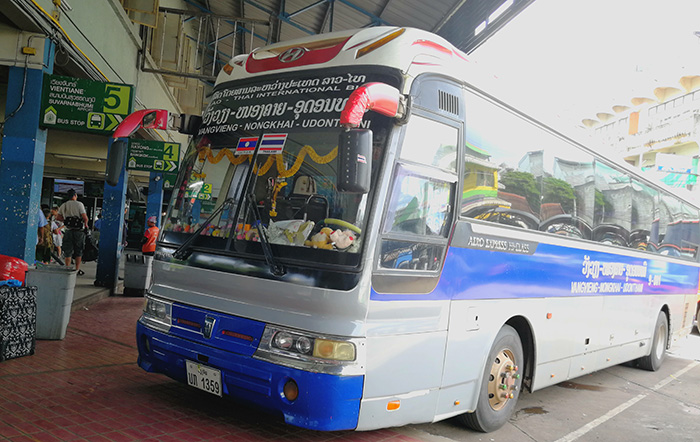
{"x":430,"y":262}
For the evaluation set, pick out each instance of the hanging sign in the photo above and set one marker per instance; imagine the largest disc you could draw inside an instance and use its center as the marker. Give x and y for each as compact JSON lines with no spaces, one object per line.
{"x":84,"y":105}
{"x":169,"y":180}
{"x":153,"y":156}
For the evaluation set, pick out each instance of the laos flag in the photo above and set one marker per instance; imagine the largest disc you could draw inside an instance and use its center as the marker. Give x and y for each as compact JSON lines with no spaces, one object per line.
{"x":246,"y":145}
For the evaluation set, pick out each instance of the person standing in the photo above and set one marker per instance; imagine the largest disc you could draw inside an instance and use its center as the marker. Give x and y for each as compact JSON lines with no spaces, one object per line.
{"x":57,"y":230}
{"x":96,"y":226}
{"x":44,"y":242}
{"x":148,"y":242}
{"x":75,"y":218}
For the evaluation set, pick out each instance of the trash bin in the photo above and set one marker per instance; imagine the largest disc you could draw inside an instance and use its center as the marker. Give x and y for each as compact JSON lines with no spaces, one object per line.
{"x":137,"y":274}
{"x":54,"y":296}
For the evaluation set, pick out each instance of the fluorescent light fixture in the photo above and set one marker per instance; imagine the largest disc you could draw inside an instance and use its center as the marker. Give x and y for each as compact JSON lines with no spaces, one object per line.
{"x":501,"y":9}
{"x":480,"y":28}
{"x":76,"y":157}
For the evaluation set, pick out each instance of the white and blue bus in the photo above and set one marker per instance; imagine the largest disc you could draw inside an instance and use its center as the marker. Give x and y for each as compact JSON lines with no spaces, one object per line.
{"x":360,"y":238}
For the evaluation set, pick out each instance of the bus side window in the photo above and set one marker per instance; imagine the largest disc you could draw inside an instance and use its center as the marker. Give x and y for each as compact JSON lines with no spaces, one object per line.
{"x":410,"y":255}
{"x":419,"y":205}
{"x":678,"y":231}
{"x":613,"y":204}
{"x":419,"y":209}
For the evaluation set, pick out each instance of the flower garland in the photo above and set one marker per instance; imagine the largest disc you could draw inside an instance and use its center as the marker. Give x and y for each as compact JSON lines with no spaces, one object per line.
{"x":206,"y":153}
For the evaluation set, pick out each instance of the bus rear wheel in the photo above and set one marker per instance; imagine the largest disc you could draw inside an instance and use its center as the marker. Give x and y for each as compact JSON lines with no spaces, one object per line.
{"x":501,"y":385}
{"x":658,"y":345}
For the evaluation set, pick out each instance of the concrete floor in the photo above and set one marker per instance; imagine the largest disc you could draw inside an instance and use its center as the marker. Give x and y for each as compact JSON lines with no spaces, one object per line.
{"x":617,"y":404}
{"x":87,"y":387}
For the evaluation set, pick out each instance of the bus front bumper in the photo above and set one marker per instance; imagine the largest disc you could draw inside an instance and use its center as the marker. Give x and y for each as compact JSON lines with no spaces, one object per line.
{"x":325,"y":402}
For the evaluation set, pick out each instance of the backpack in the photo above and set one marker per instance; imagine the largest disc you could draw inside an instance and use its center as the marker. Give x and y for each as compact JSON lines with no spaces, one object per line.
{"x":90,"y":252}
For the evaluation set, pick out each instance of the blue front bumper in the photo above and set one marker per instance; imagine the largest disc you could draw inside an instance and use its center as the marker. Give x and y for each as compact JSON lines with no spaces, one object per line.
{"x":325,"y":402}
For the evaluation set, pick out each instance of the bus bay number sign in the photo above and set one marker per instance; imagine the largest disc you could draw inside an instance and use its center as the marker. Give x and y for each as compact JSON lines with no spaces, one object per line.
{"x":153,"y":156}
{"x":82,"y":105}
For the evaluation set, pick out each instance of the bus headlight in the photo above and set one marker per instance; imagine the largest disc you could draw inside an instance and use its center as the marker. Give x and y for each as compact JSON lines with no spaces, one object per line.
{"x":157,"y":314}
{"x":283,"y":341}
{"x":303,"y":345}
{"x":311,"y":352}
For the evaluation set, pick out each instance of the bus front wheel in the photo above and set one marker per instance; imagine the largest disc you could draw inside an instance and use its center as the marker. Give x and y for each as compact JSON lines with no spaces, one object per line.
{"x":658,"y":346}
{"x":501,"y":385}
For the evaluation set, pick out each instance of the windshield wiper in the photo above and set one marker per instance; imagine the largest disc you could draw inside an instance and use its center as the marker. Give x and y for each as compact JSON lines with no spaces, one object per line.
{"x":185,"y":248}
{"x":276,"y":268}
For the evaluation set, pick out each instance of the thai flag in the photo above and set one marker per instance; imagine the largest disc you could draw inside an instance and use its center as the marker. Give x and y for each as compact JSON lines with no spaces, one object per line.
{"x":246,"y":145}
{"x":272,"y":143}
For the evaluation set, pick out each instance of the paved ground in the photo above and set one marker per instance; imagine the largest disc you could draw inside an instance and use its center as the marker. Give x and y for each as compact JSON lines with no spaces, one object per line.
{"x":619,"y":404}
{"x":87,"y":387}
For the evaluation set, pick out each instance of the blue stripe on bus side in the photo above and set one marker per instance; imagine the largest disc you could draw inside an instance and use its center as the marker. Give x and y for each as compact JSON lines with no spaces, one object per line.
{"x":553,"y":271}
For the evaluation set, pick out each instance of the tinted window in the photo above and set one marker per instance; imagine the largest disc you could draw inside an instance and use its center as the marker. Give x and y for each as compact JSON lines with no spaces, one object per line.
{"x":675,"y":231}
{"x":612,"y":219}
{"x":518,"y":174}
{"x":644,"y":209}
{"x":419,"y":205}
{"x":430,"y":142}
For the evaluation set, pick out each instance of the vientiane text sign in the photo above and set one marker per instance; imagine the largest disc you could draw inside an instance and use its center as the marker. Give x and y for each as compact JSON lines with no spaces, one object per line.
{"x":153,"y":156}
{"x":84,"y":105}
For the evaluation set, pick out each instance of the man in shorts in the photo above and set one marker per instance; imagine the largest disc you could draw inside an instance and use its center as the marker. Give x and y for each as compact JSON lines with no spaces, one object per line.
{"x":74,"y":217}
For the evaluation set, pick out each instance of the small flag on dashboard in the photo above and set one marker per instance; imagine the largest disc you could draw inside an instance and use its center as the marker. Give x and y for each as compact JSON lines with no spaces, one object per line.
{"x":272,"y":143}
{"x":246,"y":145}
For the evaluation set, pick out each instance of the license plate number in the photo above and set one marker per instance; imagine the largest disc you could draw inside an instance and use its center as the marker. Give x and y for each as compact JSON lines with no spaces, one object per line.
{"x":203,"y":377}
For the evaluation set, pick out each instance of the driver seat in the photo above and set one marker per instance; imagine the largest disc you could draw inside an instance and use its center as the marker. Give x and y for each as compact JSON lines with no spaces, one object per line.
{"x":305,"y":202}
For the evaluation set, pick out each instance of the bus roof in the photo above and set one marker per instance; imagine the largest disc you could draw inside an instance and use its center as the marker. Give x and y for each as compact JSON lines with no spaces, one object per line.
{"x":411,"y":51}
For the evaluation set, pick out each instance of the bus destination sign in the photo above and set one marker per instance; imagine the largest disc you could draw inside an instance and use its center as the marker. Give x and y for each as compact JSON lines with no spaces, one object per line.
{"x":78,"y":104}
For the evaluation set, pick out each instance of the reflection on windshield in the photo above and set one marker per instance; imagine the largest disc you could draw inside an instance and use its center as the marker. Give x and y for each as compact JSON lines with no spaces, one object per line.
{"x":530,"y":178}
{"x":293,"y":125}
{"x":294,"y":192}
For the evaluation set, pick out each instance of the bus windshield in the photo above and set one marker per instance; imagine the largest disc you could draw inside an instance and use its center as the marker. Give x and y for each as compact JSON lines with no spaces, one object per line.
{"x":291,"y":190}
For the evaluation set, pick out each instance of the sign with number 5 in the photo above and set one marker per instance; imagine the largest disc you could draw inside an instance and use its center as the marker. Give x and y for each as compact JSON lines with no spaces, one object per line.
{"x":84,"y":105}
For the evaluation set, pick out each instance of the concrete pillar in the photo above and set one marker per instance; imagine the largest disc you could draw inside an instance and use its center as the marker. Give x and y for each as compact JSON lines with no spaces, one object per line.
{"x":154,"y":205}
{"x":111,"y":238}
{"x":22,"y":160}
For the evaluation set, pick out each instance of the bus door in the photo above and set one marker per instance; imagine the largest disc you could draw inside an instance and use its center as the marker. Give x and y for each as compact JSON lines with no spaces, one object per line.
{"x":417,"y":221}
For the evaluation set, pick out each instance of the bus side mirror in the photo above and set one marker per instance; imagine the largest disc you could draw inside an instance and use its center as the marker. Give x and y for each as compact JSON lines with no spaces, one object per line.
{"x":355,"y":160}
{"x":115,"y":161}
{"x":189,"y":124}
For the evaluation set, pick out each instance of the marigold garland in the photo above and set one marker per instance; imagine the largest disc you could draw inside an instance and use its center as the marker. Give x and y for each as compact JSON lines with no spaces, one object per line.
{"x":206,"y":153}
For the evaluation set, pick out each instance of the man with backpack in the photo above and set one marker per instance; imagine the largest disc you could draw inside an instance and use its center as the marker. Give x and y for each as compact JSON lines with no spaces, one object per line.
{"x":75,"y":218}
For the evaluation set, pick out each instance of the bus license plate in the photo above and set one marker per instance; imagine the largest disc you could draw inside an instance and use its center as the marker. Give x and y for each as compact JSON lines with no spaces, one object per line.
{"x":203,"y":377}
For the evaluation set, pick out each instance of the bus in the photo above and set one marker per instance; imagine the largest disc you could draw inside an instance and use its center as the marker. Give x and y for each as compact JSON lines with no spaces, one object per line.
{"x":361,"y":236}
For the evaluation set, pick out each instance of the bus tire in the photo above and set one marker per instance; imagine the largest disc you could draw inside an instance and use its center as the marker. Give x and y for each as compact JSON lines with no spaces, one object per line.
{"x":653,"y":361}
{"x":501,"y":385}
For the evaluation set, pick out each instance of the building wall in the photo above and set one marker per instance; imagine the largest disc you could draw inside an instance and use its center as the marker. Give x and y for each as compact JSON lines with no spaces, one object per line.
{"x":102,"y":30}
